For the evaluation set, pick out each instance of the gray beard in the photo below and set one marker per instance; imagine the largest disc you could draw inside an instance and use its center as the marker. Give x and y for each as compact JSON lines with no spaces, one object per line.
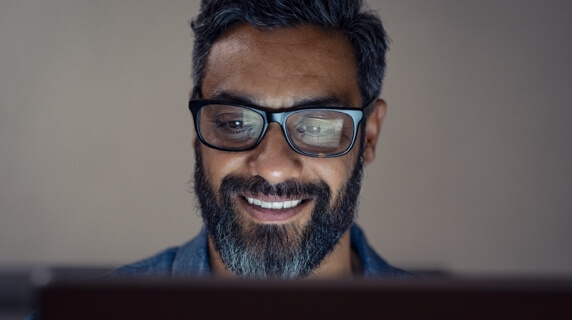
{"x":284,"y":251}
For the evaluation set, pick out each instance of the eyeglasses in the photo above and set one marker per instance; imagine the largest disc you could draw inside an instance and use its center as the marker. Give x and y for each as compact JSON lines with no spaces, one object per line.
{"x":311,"y":131}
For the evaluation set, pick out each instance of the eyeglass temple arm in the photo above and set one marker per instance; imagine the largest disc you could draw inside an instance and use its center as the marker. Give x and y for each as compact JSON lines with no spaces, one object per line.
{"x":368,"y":109}
{"x":196,"y":92}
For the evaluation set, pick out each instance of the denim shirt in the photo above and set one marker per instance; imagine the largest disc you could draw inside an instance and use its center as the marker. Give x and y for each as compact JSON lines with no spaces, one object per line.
{"x":192,"y":259}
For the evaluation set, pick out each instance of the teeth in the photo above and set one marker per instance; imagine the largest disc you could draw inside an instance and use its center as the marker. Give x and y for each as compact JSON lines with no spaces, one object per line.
{"x":273,"y":205}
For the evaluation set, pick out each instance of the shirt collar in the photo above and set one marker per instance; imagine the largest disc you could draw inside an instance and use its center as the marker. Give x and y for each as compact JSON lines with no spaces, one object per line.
{"x":193,"y":258}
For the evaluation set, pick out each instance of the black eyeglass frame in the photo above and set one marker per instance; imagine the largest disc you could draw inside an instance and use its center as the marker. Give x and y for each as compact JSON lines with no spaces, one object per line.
{"x":357,"y":115}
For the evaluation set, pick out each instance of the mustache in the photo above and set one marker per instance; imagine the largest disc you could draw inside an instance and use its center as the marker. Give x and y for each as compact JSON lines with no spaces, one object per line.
{"x":233,"y":184}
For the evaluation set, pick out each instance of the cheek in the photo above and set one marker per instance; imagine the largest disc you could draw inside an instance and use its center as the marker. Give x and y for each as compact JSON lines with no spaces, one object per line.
{"x":335,"y":171}
{"x":219,"y":164}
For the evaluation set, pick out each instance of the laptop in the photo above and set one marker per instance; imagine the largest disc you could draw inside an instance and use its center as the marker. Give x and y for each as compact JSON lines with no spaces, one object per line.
{"x":188,"y":298}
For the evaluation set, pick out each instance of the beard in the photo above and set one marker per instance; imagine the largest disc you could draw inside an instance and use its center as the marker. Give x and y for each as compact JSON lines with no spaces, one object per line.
{"x":275,"y":251}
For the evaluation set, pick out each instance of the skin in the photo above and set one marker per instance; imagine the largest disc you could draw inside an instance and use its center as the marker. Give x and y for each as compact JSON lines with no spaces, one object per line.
{"x":280,"y":69}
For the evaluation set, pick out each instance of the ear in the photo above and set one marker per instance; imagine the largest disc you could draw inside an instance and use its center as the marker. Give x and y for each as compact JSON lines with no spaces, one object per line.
{"x":191,"y":96}
{"x":372,"y":130}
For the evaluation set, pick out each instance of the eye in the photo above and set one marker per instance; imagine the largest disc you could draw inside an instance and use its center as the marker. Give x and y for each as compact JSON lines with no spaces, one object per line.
{"x":237,"y":125}
{"x":231,"y":120}
{"x":318,"y":126}
{"x":233,"y":124}
{"x":310,"y":129}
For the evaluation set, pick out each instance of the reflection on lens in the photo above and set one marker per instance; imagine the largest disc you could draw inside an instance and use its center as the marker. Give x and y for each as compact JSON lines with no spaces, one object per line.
{"x":230,"y":127}
{"x":320,"y":131}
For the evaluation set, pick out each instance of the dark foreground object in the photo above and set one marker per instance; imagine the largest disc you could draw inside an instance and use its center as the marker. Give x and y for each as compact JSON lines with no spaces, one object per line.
{"x":347,"y":299}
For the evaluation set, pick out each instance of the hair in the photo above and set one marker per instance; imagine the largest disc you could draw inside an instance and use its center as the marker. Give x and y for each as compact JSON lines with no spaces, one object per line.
{"x":361,"y":27}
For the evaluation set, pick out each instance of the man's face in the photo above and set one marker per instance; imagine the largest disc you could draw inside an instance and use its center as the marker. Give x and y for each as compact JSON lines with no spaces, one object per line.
{"x":270,"y":211}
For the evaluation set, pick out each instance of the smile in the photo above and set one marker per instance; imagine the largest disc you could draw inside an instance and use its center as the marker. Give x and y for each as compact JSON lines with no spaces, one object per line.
{"x":273,"y":205}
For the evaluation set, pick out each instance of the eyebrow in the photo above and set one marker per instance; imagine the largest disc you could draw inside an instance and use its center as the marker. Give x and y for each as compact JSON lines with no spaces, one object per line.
{"x":320,"y":101}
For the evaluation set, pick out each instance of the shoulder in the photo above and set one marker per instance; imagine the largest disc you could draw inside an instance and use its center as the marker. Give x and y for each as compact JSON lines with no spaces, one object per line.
{"x":190,"y":259}
{"x":157,"y":265}
{"x":373,"y":265}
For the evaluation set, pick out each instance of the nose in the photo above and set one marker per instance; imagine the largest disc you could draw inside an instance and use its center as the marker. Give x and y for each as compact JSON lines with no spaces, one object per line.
{"x":273,"y":159}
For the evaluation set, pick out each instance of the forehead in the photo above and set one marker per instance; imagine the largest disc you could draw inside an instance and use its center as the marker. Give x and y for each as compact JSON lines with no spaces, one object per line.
{"x":278,"y":67}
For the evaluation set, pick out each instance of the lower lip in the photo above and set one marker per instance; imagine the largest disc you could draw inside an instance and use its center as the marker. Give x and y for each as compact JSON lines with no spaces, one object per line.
{"x":272,"y":215}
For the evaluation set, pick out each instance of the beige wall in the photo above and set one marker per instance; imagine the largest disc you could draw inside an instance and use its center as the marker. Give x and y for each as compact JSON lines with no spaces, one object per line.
{"x":473,"y":170}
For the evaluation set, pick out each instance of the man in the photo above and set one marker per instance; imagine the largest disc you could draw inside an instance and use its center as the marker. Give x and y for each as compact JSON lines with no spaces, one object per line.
{"x":286,"y":113}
